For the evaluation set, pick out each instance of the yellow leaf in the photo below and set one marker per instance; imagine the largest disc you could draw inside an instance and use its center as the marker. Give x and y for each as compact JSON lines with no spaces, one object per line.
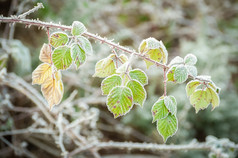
{"x":45,"y":54}
{"x":52,"y":89}
{"x":40,"y":74}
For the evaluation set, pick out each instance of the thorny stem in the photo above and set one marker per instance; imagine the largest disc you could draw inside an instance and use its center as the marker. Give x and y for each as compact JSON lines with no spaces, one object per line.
{"x":39,"y":5}
{"x":43,"y":25}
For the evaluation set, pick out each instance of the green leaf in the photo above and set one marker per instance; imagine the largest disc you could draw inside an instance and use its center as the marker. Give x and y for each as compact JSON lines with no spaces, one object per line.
{"x":170,"y":74}
{"x":191,"y":86}
{"x":78,"y":55}
{"x":61,"y":57}
{"x":109,"y":83}
{"x":180,"y":74}
{"x":167,"y":126}
{"x":119,"y":101}
{"x":171,"y":104}
{"x":58,"y":39}
{"x":200,"y":99}
{"x":176,"y":60}
{"x":215,"y":100}
{"x":139,"y":75}
{"x":104,"y":68}
{"x":138,"y":91}
{"x":78,"y":28}
{"x":192,"y":70}
{"x":159,"y":110}
{"x":190,"y":59}
{"x":86,"y":45}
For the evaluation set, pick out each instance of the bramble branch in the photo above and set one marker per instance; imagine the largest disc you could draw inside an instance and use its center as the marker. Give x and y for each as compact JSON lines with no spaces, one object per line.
{"x":44,"y":25}
{"x":113,"y":45}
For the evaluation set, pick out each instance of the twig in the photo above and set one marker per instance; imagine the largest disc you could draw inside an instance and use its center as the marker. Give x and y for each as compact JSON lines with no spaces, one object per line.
{"x":39,"y":5}
{"x":80,"y":120}
{"x":26,"y":131}
{"x":61,"y":135}
{"x":19,"y":84}
{"x":147,"y":146}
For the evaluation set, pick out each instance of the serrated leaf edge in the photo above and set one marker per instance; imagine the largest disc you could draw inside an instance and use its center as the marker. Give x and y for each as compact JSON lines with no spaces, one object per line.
{"x":127,"y":111}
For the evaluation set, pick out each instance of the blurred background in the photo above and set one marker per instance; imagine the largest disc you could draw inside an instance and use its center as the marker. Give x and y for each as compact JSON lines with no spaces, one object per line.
{"x":208,"y":29}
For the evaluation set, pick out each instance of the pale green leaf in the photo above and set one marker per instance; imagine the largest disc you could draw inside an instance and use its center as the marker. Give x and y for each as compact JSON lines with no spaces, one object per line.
{"x":171,"y":104}
{"x":180,"y":74}
{"x":119,"y":101}
{"x":78,"y":55}
{"x":125,"y":78}
{"x":109,"y":83}
{"x":175,"y":61}
{"x":139,"y":75}
{"x":86,"y":45}
{"x":200,"y":99}
{"x":170,"y":74}
{"x":58,"y":39}
{"x":123,"y":58}
{"x":159,"y":110}
{"x":152,"y":43}
{"x":122,"y":68}
{"x":78,"y":28}
{"x":104,"y":68}
{"x":138,"y":91}
{"x":215,"y":100}
{"x":191,"y":86}
{"x":142,"y":48}
{"x":167,"y":126}
{"x":190,"y":59}
{"x":204,"y":77}
{"x":61,"y":57}
{"x":192,"y":70}
{"x":164,"y":52}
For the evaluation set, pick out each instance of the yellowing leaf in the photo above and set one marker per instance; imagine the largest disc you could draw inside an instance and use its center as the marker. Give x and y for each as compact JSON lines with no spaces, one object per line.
{"x":215,"y":100}
{"x":41,"y":73}
{"x":170,"y":74}
{"x":191,"y":86}
{"x":154,"y":54}
{"x":142,"y":47}
{"x":45,"y":54}
{"x":52,"y":89}
{"x":200,"y":99}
